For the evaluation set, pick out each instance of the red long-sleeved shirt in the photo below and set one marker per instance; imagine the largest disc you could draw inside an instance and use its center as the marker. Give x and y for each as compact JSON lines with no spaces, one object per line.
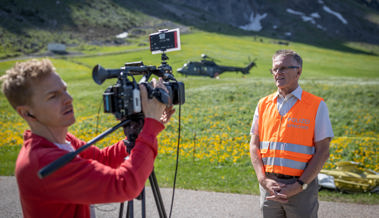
{"x":95,"y":176}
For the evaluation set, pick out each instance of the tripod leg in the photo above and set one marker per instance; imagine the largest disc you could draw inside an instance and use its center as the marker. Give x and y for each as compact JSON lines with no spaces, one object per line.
{"x":157,"y":195}
{"x":143,"y":204}
{"x":121,"y":210}
{"x":129,"y":210}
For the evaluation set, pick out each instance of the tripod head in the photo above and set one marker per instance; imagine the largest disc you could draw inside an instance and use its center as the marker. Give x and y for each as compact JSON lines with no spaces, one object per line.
{"x":132,"y":130}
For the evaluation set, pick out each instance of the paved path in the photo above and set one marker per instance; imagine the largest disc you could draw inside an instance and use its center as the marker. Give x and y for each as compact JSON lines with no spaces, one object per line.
{"x":189,"y":203}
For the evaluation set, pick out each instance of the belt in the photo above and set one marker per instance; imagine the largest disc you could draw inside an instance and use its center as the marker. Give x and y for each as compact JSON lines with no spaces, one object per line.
{"x":282,"y":176}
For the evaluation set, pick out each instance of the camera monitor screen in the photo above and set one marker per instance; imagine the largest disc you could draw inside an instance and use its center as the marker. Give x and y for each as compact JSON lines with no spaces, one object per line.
{"x":165,"y":41}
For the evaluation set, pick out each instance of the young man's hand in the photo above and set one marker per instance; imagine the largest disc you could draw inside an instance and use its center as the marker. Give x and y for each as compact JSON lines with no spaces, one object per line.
{"x":152,"y":108}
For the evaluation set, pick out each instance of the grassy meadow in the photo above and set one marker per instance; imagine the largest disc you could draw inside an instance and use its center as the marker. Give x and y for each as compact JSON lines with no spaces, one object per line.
{"x":216,"y":118}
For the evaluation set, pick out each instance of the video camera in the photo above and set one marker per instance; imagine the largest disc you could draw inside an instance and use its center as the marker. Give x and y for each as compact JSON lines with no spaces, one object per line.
{"x":123,"y":98}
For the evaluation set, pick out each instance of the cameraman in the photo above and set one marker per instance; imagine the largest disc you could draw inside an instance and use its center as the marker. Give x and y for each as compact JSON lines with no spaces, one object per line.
{"x":40,"y":97}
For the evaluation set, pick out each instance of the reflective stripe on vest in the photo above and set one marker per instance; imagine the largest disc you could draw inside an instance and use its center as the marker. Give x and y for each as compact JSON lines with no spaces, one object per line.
{"x":288,"y":147}
{"x":274,"y":161}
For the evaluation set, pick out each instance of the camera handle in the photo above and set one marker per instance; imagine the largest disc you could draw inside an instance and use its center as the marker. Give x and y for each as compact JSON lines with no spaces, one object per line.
{"x":159,"y":93}
{"x":60,"y":162}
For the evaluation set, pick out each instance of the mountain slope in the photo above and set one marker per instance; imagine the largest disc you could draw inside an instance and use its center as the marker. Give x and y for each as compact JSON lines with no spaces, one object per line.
{"x":307,"y":21}
{"x":27,"y":26}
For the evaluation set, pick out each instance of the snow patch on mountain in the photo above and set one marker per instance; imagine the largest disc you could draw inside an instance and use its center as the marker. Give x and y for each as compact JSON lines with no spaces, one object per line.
{"x":338,"y":15}
{"x":254,"y":22}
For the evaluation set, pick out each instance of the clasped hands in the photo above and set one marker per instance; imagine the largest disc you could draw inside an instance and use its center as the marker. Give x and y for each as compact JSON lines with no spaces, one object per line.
{"x":280,"y":192}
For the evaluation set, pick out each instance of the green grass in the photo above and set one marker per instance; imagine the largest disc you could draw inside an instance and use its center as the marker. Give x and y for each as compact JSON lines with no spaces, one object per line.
{"x":348,"y":83}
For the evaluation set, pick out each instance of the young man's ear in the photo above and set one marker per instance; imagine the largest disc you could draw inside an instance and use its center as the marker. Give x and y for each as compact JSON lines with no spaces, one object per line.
{"x":23,"y":111}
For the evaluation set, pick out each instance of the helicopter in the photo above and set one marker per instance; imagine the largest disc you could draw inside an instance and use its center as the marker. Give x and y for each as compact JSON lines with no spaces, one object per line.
{"x":208,"y":67}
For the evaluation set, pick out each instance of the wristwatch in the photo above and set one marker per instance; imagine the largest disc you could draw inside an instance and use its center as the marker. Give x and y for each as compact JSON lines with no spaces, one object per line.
{"x":303,"y":185}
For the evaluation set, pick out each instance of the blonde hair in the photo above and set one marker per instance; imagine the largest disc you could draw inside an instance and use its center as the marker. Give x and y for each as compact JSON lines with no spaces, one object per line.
{"x":17,"y":82}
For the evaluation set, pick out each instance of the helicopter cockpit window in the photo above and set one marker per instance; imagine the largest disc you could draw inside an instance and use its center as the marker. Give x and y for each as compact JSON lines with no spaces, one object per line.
{"x":207,"y":69}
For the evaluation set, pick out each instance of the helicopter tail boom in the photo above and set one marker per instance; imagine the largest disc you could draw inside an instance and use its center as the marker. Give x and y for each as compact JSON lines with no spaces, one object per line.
{"x":248,"y":67}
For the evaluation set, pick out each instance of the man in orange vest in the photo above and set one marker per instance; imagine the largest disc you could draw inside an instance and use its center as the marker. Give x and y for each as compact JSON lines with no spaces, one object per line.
{"x":290,"y":137}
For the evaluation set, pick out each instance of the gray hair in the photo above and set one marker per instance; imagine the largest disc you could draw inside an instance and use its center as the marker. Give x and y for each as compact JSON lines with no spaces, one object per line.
{"x":289,"y":53}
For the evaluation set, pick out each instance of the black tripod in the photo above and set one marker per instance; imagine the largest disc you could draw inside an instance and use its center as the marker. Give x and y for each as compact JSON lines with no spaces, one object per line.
{"x":142,"y":197}
{"x":131,"y":131}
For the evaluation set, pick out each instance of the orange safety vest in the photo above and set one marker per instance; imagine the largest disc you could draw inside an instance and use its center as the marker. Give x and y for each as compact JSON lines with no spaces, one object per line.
{"x":287,"y":142}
